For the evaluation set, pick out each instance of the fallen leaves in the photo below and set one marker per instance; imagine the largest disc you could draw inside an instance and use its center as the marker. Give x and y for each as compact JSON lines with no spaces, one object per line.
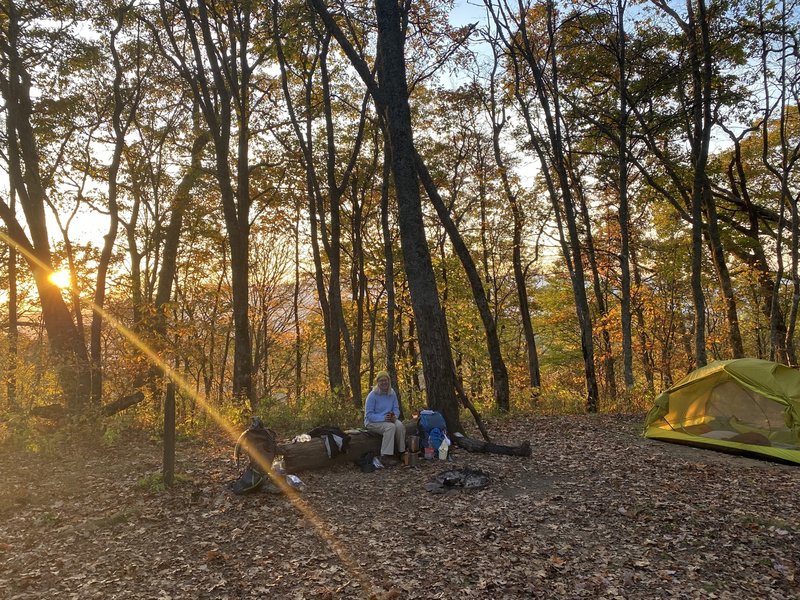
{"x":597,"y":512}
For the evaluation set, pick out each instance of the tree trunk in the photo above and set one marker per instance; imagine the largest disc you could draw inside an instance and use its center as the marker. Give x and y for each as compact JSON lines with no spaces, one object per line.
{"x":330,"y":298}
{"x":723,"y":275}
{"x":530,"y":58}
{"x":599,"y":293}
{"x":69,"y":355}
{"x":644,"y":345}
{"x":623,"y":213}
{"x":298,"y":351}
{"x":499,"y":371}
{"x":388,"y":252}
{"x":358,"y":289}
{"x":756,"y":257}
{"x":437,"y":360}
{"x":391,"y":98}
{"x":120,"y":128}
{"x":169,"y":253}
{"x":547,"y":94}
{"x":701,"y":116}
{"x":13,"y":332}
{"x":516,"y":259}
{"x":217,"y":83}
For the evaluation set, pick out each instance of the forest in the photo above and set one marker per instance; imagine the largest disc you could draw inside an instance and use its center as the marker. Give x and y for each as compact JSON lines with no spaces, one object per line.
{"x":530,"y":205}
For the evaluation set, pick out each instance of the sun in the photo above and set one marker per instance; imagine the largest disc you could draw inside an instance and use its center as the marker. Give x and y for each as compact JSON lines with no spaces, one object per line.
{"x":61,"y":279}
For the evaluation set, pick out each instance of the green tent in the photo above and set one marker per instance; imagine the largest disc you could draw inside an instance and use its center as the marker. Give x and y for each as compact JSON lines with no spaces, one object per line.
{"x":746,"y":405}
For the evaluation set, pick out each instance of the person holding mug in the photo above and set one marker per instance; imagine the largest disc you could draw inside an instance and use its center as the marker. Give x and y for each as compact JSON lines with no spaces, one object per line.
{"x":381,"y":413}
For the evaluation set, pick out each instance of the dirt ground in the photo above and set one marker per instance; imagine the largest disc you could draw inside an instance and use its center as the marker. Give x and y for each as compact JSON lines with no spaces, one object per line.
{"x":596,"y":512}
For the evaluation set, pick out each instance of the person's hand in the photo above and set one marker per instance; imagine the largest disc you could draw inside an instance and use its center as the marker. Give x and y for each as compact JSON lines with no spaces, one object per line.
{"x":390,"y":416}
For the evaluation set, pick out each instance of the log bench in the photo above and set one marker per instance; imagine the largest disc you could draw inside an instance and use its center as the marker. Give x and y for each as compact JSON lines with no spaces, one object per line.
{"x":304,"y":456}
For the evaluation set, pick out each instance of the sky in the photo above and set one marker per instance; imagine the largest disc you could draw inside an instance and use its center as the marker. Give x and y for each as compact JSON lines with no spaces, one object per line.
{"x":467,"y":11}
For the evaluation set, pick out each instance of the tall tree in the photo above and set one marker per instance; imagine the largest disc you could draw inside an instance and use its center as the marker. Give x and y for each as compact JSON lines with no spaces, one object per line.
{"x":327,"y":190}
{"x":499,"y":370}
{"x":211,"y":48}
{"x":781,"y":161}
{"x":471,"y":154}
{"x":497,"y":114}
{"x":623,"y":214}
{"x":536,"y":56}
{"x":391,"y":96}
{"x":696,"y":27}
{"x":125,"y":102}
{"x":67,"y":345}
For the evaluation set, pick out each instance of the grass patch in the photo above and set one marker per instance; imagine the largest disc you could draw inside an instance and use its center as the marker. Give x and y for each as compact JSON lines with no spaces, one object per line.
{"x":154,"y":482}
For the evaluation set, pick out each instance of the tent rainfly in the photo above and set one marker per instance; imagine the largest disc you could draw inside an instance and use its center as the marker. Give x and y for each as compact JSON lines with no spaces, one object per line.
{"x":746,"y":406}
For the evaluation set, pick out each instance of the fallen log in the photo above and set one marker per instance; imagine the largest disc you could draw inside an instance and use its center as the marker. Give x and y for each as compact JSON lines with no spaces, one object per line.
{"x":57,"y":412}
{"x":473,"y":445}
{"x":304,"y":456}
{"x":123,"y":403}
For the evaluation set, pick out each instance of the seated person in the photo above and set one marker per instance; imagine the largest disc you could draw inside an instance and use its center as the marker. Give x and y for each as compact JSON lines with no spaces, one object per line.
{"x":380,"y":416}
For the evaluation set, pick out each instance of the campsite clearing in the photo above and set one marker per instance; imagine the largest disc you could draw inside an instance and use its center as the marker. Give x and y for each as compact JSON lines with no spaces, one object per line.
{"x":597,"y":512}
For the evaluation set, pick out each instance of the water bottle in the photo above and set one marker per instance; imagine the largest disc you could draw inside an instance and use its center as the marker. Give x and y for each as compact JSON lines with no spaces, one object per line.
{"x":443,"y":450}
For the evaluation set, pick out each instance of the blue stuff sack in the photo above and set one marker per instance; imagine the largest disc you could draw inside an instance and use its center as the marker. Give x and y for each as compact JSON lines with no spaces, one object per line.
{"x":432,"y":429}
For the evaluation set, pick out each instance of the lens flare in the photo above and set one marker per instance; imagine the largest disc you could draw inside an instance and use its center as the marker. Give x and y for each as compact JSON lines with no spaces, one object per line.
{"x":322,"y":528}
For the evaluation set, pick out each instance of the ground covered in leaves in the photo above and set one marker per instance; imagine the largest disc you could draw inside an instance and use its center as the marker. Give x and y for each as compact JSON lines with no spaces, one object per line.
{"x":597,"y":512}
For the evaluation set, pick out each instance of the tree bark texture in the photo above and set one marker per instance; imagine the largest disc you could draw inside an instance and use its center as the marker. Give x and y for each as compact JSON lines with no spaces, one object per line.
{"x":437,"y":359}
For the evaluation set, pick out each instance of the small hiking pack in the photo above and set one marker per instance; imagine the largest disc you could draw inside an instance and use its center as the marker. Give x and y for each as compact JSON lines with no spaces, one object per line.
{"x":260,"y":445}
{"x":432,"y":429}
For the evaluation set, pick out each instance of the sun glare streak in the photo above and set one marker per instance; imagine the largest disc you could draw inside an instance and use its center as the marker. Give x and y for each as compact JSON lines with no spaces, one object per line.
{"x":320,"y":525}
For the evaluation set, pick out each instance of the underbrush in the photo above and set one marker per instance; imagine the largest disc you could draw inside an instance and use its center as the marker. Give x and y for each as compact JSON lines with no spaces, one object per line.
{"x":22,"y":432}
{"x":309,"y":412}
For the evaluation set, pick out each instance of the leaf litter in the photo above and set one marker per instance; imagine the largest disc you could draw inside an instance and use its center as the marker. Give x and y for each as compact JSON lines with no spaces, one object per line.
{"x":596,"y":512}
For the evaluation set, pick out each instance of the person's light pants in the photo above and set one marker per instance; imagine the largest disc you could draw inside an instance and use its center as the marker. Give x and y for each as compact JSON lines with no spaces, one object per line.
{"x":394,"y":435}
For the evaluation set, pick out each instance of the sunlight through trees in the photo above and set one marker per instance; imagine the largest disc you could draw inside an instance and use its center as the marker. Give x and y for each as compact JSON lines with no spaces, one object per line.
{"x":553,"y":206}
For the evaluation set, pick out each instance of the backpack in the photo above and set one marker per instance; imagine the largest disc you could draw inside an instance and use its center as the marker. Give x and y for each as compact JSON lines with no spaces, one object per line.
{"x":249,"y":481}
{"x":260,"y":445}
{"x":432,"y":429}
